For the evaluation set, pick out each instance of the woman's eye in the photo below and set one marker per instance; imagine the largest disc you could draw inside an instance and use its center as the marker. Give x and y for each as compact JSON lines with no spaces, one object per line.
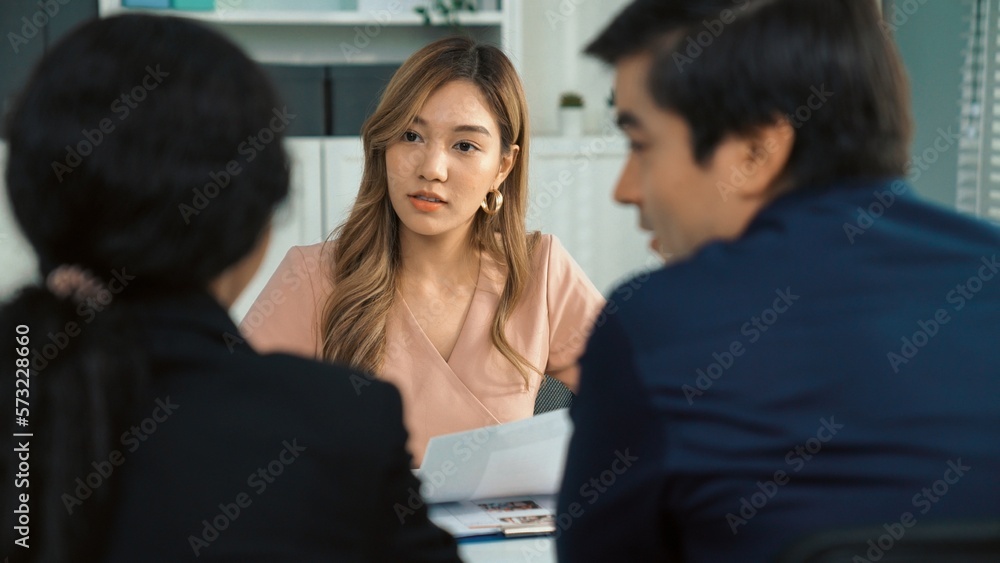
{"x":410,"y":136}
{"x":466,"y":147}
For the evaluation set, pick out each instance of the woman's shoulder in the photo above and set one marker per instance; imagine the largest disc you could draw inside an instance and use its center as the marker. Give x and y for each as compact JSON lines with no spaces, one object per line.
{"x":559,"y":267}
{"x":545,"y":247}
{"x":283,"y":315}
{"x":320,"y":252}
{"x":312,"y":262}
{"x":541,"y":249}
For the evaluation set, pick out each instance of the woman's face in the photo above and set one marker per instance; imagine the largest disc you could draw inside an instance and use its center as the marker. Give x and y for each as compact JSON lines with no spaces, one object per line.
{"x":449,"y":158}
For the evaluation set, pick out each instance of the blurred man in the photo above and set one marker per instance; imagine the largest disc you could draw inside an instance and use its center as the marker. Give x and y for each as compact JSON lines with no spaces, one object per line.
{"x":821,"y":350}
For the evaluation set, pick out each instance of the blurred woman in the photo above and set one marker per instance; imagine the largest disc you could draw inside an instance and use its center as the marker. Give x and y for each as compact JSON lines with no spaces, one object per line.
{"x":154,"y":433}
{"x":432,"y":282}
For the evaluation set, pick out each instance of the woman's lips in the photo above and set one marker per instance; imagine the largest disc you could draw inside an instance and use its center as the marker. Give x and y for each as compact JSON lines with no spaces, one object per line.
{"x":426,"y":203}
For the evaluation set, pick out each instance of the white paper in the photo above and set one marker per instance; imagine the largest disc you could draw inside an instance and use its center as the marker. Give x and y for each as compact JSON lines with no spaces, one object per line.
{"x":526,"y":457}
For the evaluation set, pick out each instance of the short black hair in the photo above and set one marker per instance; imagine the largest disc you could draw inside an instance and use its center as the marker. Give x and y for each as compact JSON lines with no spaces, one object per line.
{"x":728,"y":66}
{"x":121,"y":147}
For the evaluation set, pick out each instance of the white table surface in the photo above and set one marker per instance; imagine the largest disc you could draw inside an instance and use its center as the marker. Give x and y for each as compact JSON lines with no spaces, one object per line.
{"x":533,"y":550}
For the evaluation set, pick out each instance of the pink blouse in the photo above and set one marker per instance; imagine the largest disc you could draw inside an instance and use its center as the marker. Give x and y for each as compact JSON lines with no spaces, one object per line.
{"x":477,"y":386}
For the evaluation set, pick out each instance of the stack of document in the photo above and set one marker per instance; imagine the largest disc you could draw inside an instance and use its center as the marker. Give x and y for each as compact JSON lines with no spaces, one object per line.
{"x":497,"y":479}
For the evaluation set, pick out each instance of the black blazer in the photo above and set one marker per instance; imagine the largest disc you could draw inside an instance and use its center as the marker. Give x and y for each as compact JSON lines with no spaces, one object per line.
{"x":243,"y":457}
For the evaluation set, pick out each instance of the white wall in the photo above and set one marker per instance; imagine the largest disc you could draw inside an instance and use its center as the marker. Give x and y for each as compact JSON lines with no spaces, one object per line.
{"x":555,"y":33}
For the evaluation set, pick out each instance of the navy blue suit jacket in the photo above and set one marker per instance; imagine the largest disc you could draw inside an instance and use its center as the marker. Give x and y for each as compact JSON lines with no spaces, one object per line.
{"x":837,"y":365}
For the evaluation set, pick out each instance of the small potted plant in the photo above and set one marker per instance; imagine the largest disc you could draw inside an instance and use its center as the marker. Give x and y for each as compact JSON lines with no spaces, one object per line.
{"x":448,"y":10}
{"x":571,"y":114}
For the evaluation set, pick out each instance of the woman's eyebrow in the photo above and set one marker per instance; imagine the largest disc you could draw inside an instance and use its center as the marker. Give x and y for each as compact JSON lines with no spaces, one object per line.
{"x":472,"y":129}
{"x":417,"y":120}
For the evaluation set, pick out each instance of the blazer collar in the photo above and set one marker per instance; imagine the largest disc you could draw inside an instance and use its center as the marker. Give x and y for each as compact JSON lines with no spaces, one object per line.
{"x":188,"y":317}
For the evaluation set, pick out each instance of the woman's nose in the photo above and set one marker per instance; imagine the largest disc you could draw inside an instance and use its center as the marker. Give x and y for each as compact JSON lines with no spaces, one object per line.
{"x":433,"y":166}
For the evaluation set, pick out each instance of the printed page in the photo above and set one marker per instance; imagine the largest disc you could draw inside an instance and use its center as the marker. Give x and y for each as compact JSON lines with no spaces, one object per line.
{"x":493,"y":516}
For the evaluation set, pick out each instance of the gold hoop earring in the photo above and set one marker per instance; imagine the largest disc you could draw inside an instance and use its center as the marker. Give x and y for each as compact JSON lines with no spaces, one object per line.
{"x":497,"y":202}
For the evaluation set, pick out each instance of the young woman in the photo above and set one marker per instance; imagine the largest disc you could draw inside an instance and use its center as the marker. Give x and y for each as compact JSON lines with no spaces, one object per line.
{"x":150,"y":434}
{"x":432,"y":283}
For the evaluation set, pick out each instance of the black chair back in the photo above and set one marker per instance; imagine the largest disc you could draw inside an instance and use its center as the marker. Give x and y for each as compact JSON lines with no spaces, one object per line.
{"x":552,"y":395}
{"x":924,"y":542}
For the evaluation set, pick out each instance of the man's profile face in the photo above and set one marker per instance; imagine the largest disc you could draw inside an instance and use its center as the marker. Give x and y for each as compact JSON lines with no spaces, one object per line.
{"x":678,"y":199}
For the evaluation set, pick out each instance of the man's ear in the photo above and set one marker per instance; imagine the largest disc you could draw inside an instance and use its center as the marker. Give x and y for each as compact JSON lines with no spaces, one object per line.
{"x":758,"y":159}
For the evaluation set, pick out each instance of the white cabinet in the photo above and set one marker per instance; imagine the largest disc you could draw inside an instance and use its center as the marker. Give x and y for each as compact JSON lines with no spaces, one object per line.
{"x":343,"y":165}
{"x":299,"y":221}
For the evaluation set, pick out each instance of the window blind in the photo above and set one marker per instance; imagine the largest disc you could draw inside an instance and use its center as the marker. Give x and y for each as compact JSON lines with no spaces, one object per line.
{"x":978,"y":183}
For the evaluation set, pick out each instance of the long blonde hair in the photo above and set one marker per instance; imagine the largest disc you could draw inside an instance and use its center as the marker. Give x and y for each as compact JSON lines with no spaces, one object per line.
{"x":366,"y":263}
